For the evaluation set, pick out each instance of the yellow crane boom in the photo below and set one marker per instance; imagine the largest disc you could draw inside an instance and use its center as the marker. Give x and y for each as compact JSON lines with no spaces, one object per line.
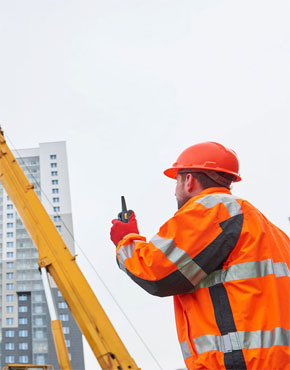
{"x":55,"y":256}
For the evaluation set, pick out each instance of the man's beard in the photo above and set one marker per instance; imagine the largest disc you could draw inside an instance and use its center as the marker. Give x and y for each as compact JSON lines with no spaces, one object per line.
{"x":181,"y":202}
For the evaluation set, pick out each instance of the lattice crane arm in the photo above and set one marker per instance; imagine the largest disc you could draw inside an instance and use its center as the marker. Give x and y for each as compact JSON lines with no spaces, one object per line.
{"x":55,"y":256}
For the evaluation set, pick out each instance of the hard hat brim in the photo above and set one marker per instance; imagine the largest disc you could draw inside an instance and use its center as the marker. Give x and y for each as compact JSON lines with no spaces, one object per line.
{"x":173,"y":171}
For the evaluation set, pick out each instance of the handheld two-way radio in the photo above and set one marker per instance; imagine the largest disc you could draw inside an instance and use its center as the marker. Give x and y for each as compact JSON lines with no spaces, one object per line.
{"x":124,"y":215}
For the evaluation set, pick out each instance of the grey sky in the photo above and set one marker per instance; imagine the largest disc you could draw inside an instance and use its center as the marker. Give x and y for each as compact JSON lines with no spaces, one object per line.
{"x":130,"y":84}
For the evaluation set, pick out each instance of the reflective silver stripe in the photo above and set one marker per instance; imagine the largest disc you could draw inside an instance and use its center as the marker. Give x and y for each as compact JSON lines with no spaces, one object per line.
{"x":209,"y":201}
{"x":126,"y":252}
{"x":180,"y":258}
{"x":122,"y":266}
{"x":243,"y":340}
{"x":246,"y":270}
{"x":185,"y":350}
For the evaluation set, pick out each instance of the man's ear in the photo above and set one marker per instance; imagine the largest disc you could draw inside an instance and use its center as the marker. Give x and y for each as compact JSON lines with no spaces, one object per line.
{"x":190,"y":182}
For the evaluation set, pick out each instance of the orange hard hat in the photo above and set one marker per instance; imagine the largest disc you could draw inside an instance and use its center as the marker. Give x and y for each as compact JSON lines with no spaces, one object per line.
{"x":208,"y":156}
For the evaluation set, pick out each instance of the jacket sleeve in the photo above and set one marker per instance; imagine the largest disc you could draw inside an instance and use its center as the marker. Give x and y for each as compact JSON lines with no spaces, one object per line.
{"x":187,"y":248}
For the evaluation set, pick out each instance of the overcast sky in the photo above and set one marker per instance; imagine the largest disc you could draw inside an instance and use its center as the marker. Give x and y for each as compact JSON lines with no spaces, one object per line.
{"x":128,"y":85}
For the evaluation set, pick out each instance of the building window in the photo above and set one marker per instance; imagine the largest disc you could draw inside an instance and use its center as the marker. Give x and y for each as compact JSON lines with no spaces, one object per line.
{"x":23,"y":321}
{"x":9,"y":235}
{"x":63,"y":317}
{"x":8,"y":198}
{"x":9,"y":346}
{"x":22,"y":286}
{"x":9,"y":254}
{"x":9,"y":321}
{"x":55,"y":200}
{"x":9,"y":286}
{"x":56,"y":209}
{"x":39,"y":334}
{"x":40,"y":359}
{"x":23,"y":346}
{"x":38,"y":321}
{"x":9,"y":297}
{"x":10,"y":265}
{"x":23,"y":359}
{"x":9,"y":275}
{"x":54,"y":182}
{"x":9,"y":333}
{"x":9,"y":359}
{"x":53,"y":165}
{"x":53,"y":173}
{"x":9,"y":215}
{"x":9,"y":244}
{"x":38,"y":309}
{"x":22,"y":309}
{"x":62,"y":305}
{"x":22,"y":297}
{"x":69,"y":356}
{"x":9,"y":309}
{"x":67,"y":342}
{"x":55,"y":191}
{"x":58,"y":227}
{"x":9,"y":225}
{"x":65,"y":329}
{"x":38,"y":297}
{"x":23,"y":333}
{"x":59,"y":293}
{"x":56,"y":218}
{"x":37,"y":286}
{"x":53,"y":156}
{"x":9,"y":206}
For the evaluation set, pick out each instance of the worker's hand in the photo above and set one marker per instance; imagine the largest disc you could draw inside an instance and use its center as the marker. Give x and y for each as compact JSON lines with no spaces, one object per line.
{"x":120,"y":229}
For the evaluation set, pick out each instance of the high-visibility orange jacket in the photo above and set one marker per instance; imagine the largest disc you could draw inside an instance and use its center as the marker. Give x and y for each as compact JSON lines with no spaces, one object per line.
{"x":228,"y":268}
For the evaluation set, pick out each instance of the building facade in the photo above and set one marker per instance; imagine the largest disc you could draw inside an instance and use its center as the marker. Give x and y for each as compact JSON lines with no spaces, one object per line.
{"x":25,"y":334}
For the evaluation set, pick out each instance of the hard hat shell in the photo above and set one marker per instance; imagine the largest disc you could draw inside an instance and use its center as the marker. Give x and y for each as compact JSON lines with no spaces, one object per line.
{"x":206,"y":156}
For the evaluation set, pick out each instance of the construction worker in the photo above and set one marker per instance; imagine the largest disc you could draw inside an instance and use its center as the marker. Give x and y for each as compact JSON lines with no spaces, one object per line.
{"x":226,"y":265}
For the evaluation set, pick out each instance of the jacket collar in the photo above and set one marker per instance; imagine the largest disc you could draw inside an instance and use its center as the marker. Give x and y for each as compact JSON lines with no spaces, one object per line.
{"x":216,"y":190}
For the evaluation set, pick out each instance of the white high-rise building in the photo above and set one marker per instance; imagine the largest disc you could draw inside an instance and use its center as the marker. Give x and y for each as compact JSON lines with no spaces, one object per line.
{"x":25,"y":323}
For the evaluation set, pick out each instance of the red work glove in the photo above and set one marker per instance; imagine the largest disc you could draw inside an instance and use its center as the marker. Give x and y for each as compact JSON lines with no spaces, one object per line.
{"x":120,"y":229}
